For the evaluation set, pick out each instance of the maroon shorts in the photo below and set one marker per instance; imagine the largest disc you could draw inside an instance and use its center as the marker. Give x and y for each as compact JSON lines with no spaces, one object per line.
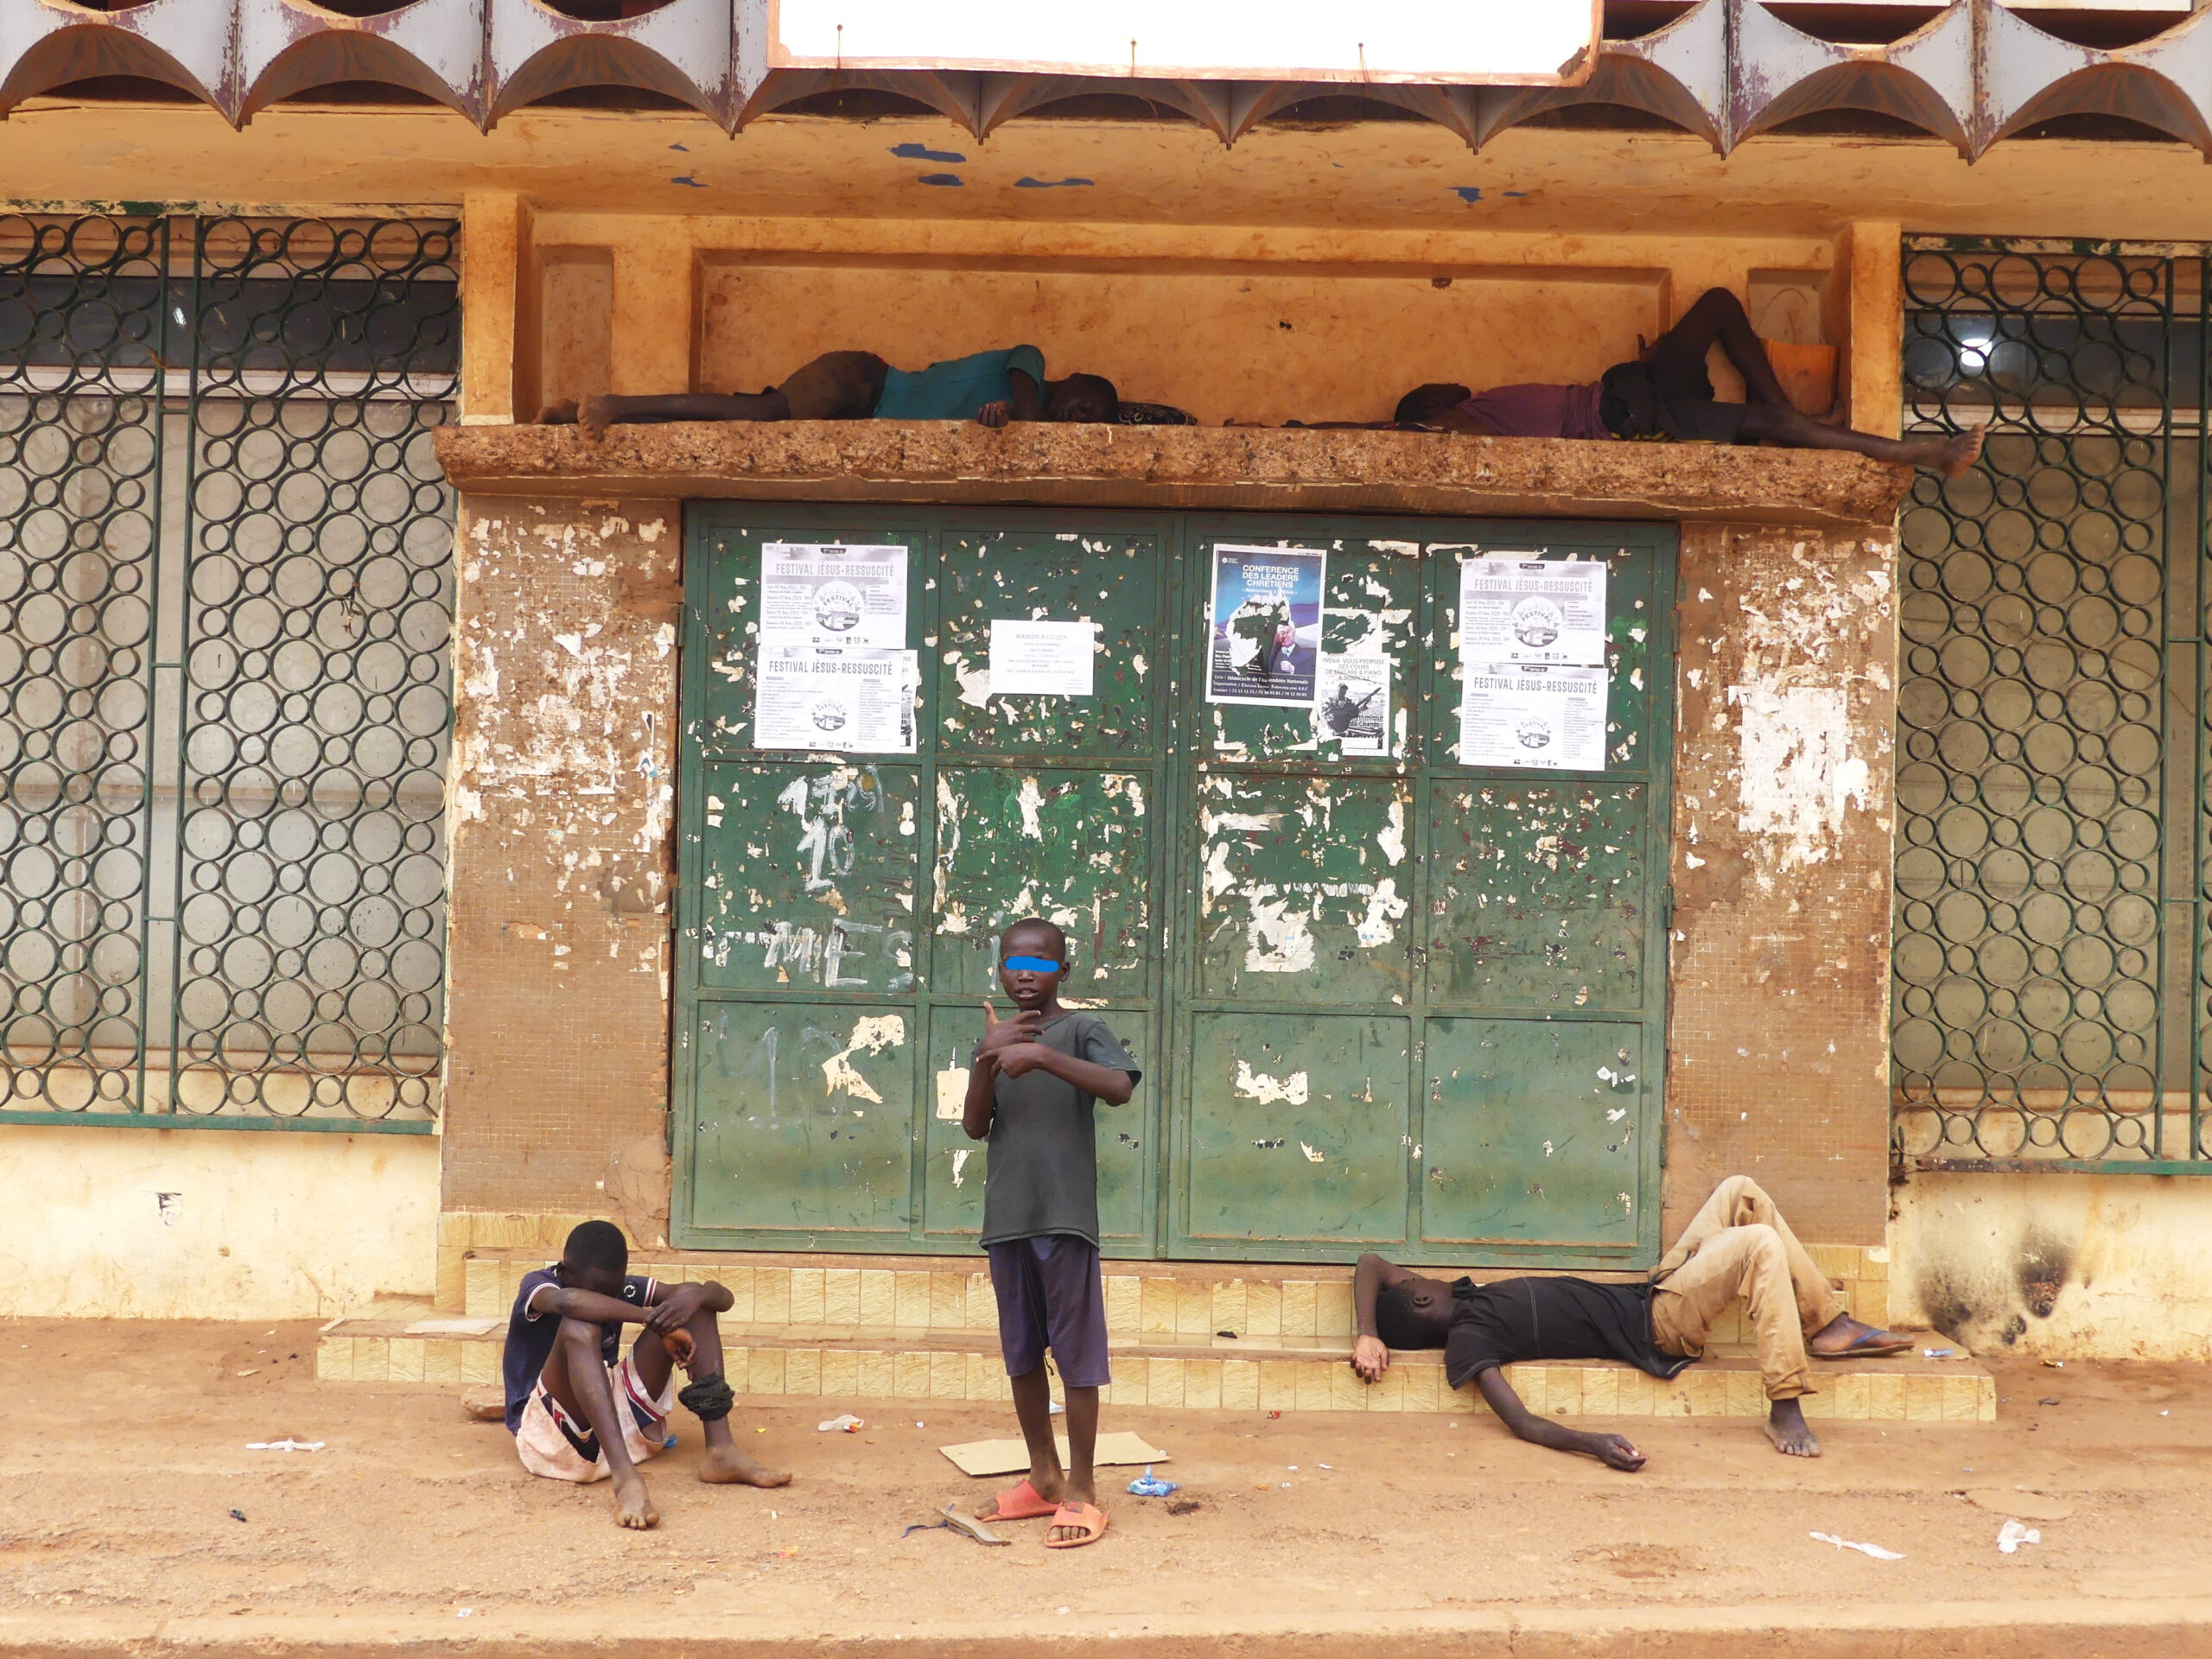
{"x":1051,"y":1295}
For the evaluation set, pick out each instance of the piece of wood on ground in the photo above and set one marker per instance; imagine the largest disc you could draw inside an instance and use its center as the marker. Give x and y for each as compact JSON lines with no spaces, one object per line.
{"x":1010,"y":1457}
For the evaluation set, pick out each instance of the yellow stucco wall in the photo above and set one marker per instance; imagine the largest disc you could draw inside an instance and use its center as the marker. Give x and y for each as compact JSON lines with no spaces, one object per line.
{"x":1255,"y":345}
{"x":2090,"y":1266}
{"x":261,"y":1225}
{"x":1230,"y":323}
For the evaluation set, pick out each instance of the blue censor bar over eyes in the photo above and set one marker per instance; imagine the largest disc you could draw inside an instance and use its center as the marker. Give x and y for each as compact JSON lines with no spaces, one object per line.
{"x":1034,"y":964}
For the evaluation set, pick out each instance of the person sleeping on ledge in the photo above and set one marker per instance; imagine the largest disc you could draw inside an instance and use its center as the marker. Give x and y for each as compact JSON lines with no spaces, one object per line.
{"x":989,"y":388}
{"x":1667,"y":394}
{"x":1736,"y":1248}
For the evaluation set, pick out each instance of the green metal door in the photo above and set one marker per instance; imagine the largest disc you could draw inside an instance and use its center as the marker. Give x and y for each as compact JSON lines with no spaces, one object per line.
{"x":1418,"y":1005}
{"x":1385,"y":1001}
{"x":839,"y":919}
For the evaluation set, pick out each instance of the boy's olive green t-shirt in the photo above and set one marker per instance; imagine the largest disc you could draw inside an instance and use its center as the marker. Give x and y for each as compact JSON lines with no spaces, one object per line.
{"x":1042,"y":1176}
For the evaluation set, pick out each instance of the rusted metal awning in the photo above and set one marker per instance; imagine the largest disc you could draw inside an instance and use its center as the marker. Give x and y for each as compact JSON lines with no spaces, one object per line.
{"x":1724,"y":70}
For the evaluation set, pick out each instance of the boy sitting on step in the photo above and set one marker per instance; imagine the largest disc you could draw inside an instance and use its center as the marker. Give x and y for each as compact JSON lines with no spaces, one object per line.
{"x":989,"y":388}
{"x":1031,"y":1087}
{"x":1738,"y":1246}
{"x":582,"y":1410}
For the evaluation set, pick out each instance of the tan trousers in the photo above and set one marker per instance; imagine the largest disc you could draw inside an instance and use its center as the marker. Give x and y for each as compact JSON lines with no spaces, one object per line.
{"x":1739,"y":1246}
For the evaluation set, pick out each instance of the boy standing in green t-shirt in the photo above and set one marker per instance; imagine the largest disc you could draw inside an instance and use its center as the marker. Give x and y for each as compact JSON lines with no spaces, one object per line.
{"x":1031,"y":1089}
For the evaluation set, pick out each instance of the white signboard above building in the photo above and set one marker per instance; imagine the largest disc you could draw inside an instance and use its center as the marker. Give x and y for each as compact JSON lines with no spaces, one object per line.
{"x":1452,"y":42}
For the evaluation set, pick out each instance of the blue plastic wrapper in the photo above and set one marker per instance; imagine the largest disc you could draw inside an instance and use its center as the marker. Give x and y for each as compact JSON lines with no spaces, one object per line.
{"x":1149,"y":1485}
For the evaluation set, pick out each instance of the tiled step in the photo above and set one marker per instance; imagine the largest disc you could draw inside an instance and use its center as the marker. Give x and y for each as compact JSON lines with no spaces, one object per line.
{"x":849,"y":1363}
{"x":1147,"y":1300}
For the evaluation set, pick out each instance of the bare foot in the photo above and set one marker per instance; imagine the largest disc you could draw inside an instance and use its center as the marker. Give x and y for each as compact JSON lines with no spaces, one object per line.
{"x":592,"y":415}
{"x":1786,"y":1426}
{"x":484,"y":1409}
{"x":1845,"y":1338}
{"x":632,"y":1509}
{"x":558,"y":414}
{"x":1961,"y":452}
{"x":725,"y":1465}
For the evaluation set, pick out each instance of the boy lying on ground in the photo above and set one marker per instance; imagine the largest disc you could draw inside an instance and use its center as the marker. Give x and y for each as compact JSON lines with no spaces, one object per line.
{"x":989,"y":388}
{"x":580,"y":1413}
{"x":1668,"y":395}
{"x":1738,"y":1246}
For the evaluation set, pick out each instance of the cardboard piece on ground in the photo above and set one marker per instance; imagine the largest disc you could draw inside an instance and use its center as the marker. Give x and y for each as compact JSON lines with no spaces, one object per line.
{"x":1011,"y":1457}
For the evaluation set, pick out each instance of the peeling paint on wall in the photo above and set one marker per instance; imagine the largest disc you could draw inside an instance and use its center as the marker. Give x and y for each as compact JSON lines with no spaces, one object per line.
{"x":1258,"y":1085}
{"x":1781,"y":859}
{"x":873,"y":1033}
{"x":1276,"y":937}
{"x":561,"y":794}
{"x":1799,"y":775}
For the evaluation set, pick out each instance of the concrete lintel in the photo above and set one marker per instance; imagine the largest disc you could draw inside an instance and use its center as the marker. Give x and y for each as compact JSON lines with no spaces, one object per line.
{"x":1221,"y":468}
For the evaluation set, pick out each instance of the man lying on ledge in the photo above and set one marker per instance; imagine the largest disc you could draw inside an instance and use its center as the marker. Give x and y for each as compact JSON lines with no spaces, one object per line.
{"x":989,"y":388}
{"x":1738,"y":1246}
{"x":1667,"y":394}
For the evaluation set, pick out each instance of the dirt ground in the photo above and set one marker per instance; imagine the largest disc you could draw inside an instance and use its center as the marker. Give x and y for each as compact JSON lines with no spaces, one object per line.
{"x":126,"y":1488}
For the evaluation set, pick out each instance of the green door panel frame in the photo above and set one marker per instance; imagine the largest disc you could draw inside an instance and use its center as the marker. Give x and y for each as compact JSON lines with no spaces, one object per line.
{"x":1384,"y":1002}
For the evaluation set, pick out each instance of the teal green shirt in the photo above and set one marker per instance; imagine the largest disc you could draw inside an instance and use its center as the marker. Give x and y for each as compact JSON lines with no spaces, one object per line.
{"x":955,"y":391}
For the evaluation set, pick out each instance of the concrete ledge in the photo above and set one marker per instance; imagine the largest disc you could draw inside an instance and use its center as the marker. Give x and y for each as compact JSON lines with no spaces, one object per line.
{"x":1239,"y":468}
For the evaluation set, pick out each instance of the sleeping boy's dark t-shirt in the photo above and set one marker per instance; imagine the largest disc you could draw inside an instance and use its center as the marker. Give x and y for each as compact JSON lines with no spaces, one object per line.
{"x":531,"y":1337}
{"x":1512,"y":1319}
{"x":1042,"y":1174}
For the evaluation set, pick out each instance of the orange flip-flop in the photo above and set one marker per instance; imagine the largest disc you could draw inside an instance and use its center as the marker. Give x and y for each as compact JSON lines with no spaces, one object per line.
{"x":1019,"y":1503}
{"x":1089,"y":1517}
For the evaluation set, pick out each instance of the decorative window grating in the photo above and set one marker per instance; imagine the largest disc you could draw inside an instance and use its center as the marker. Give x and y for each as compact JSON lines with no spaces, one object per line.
{"x":226,"y":598}
{"x":2050,"y":961}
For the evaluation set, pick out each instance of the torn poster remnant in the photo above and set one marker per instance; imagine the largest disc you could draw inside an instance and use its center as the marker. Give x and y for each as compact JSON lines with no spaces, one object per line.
{"x":1798,"y":776}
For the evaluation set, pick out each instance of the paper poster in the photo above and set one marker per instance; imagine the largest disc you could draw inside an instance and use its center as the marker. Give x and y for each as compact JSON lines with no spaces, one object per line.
{"x":1530,"y":610}
{"x":855,"y":701}
{"x":853,"y":598}
{"x":1351,"y":707}
{"x":1266,"y":623}
{"x":1518,"y":714}
{"x":1047,"y":660}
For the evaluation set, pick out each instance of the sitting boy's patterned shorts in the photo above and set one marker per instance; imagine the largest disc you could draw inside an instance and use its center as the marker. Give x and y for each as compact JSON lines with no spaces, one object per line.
{"x":552,"y":1444}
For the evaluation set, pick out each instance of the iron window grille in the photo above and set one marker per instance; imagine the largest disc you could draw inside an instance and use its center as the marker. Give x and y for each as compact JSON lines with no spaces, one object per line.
{"x":2049,"y":961}
{"x":226,"y":599}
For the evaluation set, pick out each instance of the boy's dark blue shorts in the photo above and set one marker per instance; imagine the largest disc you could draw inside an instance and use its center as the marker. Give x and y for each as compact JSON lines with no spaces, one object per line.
{"x":1051,"y":1295}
